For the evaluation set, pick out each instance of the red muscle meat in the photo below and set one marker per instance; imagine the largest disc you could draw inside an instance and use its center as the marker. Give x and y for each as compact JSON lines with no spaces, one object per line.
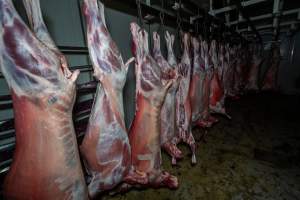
{"x":144,"y":134}
{"x":46,"y":162}
{"x":168,"y":126}
{"x":105,"y":147}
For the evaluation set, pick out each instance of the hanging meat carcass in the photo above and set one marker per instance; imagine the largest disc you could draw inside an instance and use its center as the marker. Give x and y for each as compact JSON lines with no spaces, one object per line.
{"x":105,"y":147}
{"x":46,"y":162}
{"x":183,"y":105}
{"x":170,"y":44}
{"x":206,"y":119}
{"x":224,"y":59}
{"x":223,"y":74}
{"x":270,"y":78}
{"x":168,"y":112}
{"x":196,"y":85}
{"x":217,"y":97}
{"x":241,"y":69}
{"x":246,"y":62}
{"x":256,"y":60}
{"x":144,"y":134}
{"x":238,"y":72}
{"x":233,"y":61}
{"x":196,"y":81}
{"x":227,"y":71}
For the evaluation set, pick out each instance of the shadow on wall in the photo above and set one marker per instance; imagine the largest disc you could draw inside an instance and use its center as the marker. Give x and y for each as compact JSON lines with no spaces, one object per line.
{"x":297,"y":82}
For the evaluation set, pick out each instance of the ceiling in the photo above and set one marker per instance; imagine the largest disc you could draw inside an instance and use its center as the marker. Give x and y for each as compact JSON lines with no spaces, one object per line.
{"x":260,"y":12}
{"x":251,"y":19}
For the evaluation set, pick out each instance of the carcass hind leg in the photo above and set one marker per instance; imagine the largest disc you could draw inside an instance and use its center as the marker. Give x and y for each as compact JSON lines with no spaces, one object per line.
{"x":136,"y":177}
{"x":172,"y":150}
{"x":204,"y":123}
{"x":94,"y":186}
{"x":212,"y":119}
{"x":191,"y":142}
{"x":165,"y":179}
{"x":175,"y":141}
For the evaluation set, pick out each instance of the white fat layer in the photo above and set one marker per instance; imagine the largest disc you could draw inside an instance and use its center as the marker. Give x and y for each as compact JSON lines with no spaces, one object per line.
{"x":183,"y":90}
{"x":103,"y":50}
{"x":34,"y":14}
{"x":109,"y":132}
{"x":104,"y":56}
{"x":199,"y":72}
{"x":21,"y":80}
{"x":152,"y":68}
{"x":168,"y":109}
{"x":171,"y":56}
{"x":25,"y":83}
{"x":168,"y":118}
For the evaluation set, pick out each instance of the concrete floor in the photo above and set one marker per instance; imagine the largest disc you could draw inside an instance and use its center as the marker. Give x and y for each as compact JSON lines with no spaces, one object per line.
{"x":256,"y":155}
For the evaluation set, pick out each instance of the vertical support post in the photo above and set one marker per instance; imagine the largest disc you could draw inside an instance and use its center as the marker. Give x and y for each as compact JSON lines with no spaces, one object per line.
{"x":211,"y":10}
{"x":148,"y":2}
{"x":277,"y":9}
{"x":227,"y":15}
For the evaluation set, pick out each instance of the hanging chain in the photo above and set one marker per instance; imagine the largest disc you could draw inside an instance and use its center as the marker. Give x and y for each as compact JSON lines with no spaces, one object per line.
{"x":238,"y":20}
{"x":140,"y":16}
{"x":161,"y":17}
{"x":219,"y":33}
{"x":179,"y":17}
{"x":205,"y":28}
{"x":179,"y":28}
{"x":197,"y":22}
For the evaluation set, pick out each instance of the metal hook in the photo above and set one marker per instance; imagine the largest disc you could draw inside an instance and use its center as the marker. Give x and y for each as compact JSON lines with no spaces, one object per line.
{"x":162,"y":17}
{"x":140,"y":16}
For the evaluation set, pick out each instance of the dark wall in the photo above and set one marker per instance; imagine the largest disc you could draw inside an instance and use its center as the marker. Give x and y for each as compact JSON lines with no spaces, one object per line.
{"x":289,"y":70}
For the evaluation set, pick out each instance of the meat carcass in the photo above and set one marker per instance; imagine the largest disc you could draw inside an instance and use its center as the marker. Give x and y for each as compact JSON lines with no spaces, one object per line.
{"x":144,"y":134}
{"x":239,"y":70}
{"x":246,"y":61}
{"x":226,"y":78}
{"x":252,"y":75}
{"x":270,"y":78}
{"x":168,"y":112}
{"x":225,"y":67}
{"x":46,"y":162}
{"x":105,"y":147}
{"x":196,"y":85}
{"x":170,"y":44}
{"x":233,"y":60}
{"x":206,"y":120}
{"x":183,"y":105}
{"x":217,"y":97}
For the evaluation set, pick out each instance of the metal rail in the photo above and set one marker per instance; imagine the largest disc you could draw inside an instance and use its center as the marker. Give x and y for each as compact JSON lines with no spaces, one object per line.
{"x":247,"y":18}
{"x":232,"y":7}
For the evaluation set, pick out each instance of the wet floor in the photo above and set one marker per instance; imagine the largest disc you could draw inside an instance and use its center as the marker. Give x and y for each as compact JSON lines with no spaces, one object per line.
{"x":256,"y":155}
